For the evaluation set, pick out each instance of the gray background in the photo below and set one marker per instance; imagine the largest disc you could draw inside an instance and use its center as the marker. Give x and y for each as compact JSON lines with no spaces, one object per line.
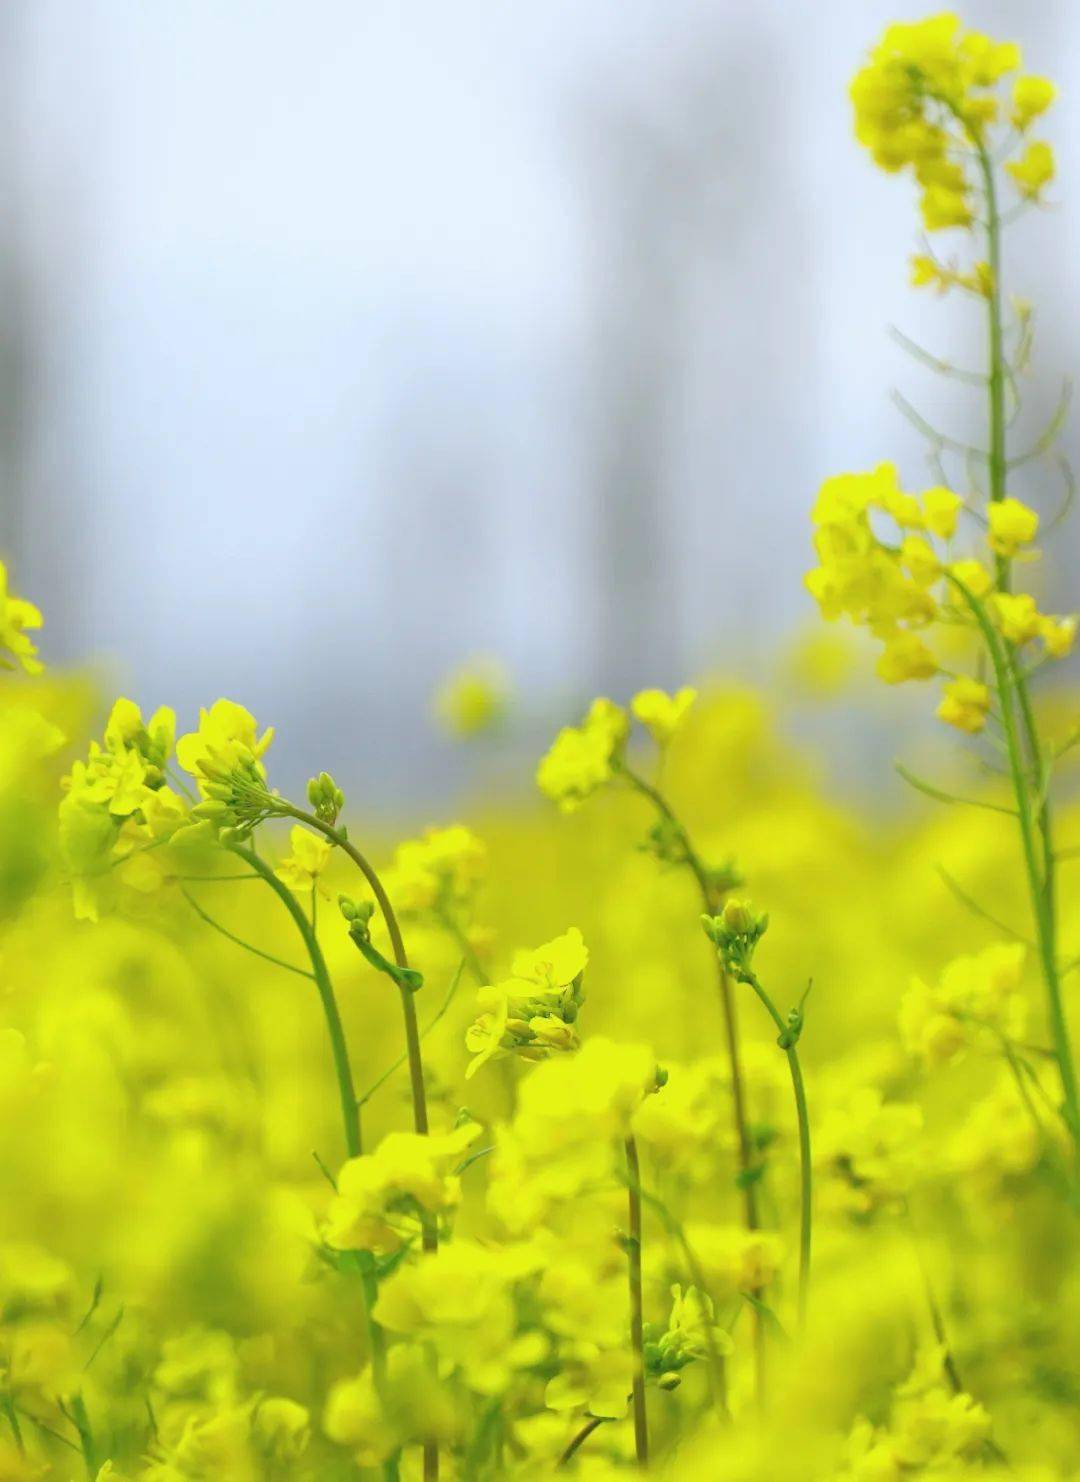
{"x":341,"y":341}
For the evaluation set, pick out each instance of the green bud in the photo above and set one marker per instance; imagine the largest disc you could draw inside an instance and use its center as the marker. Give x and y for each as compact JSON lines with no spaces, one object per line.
{"x":738,"y":918}
{"x":670,"y":1380}
{"x":358,"y":912}
{"x":211,"y":808}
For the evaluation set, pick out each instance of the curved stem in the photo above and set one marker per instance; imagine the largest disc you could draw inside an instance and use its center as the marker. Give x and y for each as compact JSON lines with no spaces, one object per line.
{"x":239,"y":941}
{"x":350,"y":1107}
{"x":747,"y":1171}
{"x":339,"y":837}
{"x":593,"y":1423}
{"x":350,"y":1111}
{"x":637,"y":1318}
{"x":803,"y":1117}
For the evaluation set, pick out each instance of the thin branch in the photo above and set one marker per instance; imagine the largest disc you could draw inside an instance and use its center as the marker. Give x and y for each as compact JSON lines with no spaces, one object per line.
{"x":939,"y":439}
{"x":239,"y":941}
{"x":1049,"y":435}
{"x":974,"y":907}
{"x":948,"y":797}
{"x":934,"y":362}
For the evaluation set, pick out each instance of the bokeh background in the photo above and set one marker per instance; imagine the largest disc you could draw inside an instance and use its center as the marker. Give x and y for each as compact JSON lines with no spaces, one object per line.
{"x":340,"y":342}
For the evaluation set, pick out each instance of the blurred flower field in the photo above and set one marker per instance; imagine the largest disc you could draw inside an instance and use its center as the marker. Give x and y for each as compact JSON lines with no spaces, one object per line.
{"x":670,"y":1116}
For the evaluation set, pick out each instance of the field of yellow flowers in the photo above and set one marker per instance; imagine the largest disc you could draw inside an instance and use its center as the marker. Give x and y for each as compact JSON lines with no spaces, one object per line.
{"x":675,"y":1118}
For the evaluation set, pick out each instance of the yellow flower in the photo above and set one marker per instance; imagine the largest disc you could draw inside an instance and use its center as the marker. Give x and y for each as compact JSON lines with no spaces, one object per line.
{"x":940,"y":510}
{"x":1031,"y":97}
{"x":965,"y":704}
{"x":1034,"y":170}
{"x":302,"y":869}
{"x":380,"y":1194}
{"x":1012,"y":525}
{"x":974,"y":576}
{"x":1059,"y":635}
{"x":281,"y":1428}
{"x":225,"y":757}
{"x":472,"y":699}
{"x":920,"y":560}
{"x":662,"y":714}
{"x":977,"y":999}
{"x":116,"y":802}
{"x":1017,"y":615}
{"x":16,"y":616}
{"x":459,"y":1300}
{"x":440,"y":871}
{"x":582,"y":757}
{"x":533,"y":1012}
{"x":905,"y":657}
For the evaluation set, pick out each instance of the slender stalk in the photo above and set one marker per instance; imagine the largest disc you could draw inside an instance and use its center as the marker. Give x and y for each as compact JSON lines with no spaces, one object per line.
{"x":637,"y":1317}
{"x":747,"y":1170}
{"x":593,"y":1423}
{"x":996,"y":378}
{"x":239,"y":941}
{"x":339,"y":837}
{"x":787,"y":1043}
{"x":350,"y":1111}
{"x":350,"y":1106}
{"x":1041,"y":900}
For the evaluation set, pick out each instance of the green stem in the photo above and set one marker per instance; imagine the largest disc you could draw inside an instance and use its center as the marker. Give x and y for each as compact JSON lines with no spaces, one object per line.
{"x":747,"y":1170}
{"x":350,"y":1111}
{"x":1041,"y":898}
{"x":996,"y":379}
{"x":412,"y":1032}
{"x":593,"y":1423}
{"x":637,"y":1317}
{"x":803,"y":1117}
{"x":350,"y":1106}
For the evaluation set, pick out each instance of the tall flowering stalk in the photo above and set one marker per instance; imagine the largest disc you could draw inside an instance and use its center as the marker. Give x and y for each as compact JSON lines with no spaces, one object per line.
{"x":586,"y":757}
{"x":929,"y":100}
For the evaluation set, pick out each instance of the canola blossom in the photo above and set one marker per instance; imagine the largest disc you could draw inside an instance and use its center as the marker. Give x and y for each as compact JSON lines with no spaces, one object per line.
{"x":669,"y":1119}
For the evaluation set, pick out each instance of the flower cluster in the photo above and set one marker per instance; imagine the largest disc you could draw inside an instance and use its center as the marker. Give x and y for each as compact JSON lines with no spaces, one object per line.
{"x":533,"y":1012}
{"x":926,"y":101}
{"x":17,"y":650}
{"x":382,"y":1196}
{"x":976,"y":999}
{"x":900,"y":587}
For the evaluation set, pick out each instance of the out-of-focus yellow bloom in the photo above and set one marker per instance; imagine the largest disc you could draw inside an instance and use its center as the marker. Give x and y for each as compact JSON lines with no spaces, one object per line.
{"x":662,"y":714}
{"x":973,"y":575}
{"x":581,"y":757}
{"x":437,"y":872}
{"x":282,"y":1428}
{"x":1012,"y":525}
{"x":1031,"y":97}
{"x":736,"y":1260}
{"x":927,"y":272}
{"x":473,"y":699}
{"x":17,"y":616}
{"x":380,"y":1194}
{"x":1017,"y":615}
{"x":922,"y":93}
{"x":976,"y":1001}
{"x":1033,"y":171}
{"x":965,"y":704}
{"x":867,"y":1151}
{"x":1058,"y":635}
{"x":460,"y":1301}
{"x":905,"y":657}
{"x":302,"y":868}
